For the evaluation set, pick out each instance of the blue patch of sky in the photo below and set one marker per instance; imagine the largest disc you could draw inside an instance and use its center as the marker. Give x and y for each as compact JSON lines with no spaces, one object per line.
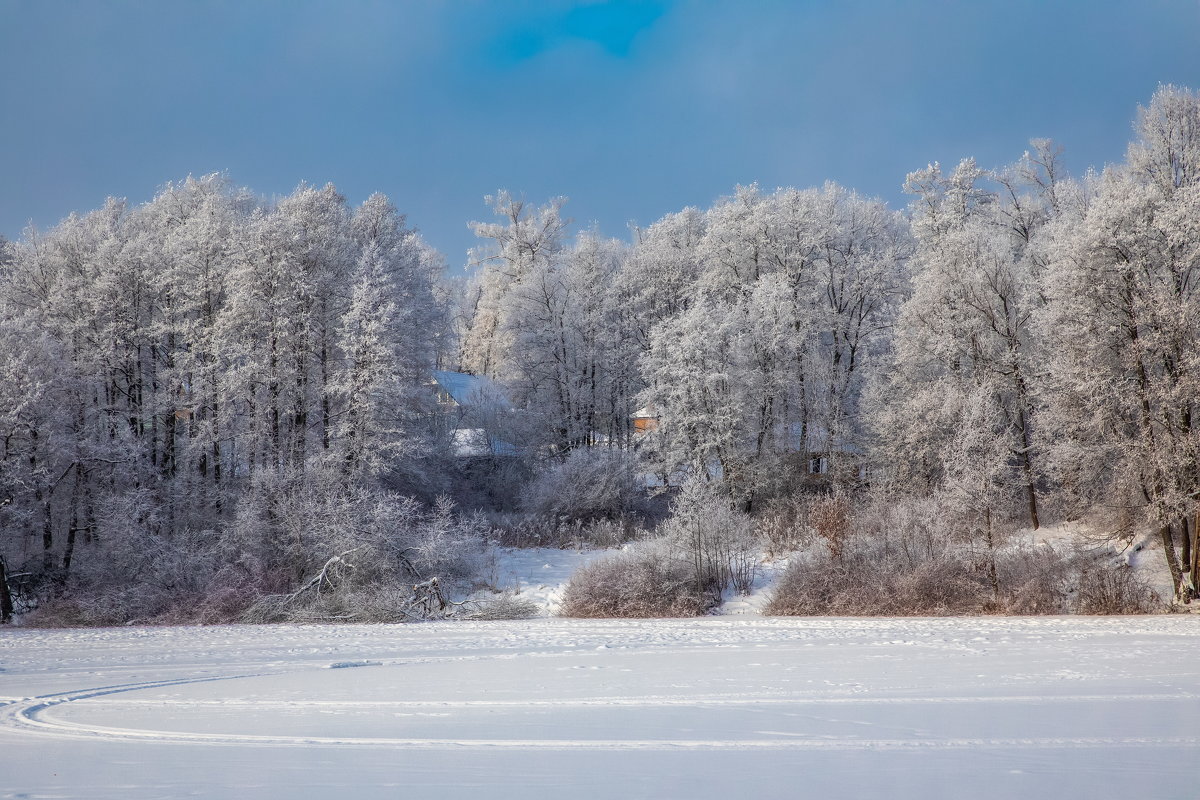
{"x":612,"y":26}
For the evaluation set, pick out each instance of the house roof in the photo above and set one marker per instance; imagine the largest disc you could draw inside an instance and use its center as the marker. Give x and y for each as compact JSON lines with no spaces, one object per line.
{"x":469,"y":390}
{"x":474,"y":442}
{"x":645,"y":412}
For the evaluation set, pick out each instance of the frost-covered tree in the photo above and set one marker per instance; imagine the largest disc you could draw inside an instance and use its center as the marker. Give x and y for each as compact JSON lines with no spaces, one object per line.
{"x":164,"y":362}
{"x":597,"y":343}
{"x":661,"y":271}
{"x":553,"y":322}
{"x":794,"y":297}
{"x":721,"y":381}
{"x":1124,"y":318}
{"x":966,"y":329}
{"x":520,"y":251}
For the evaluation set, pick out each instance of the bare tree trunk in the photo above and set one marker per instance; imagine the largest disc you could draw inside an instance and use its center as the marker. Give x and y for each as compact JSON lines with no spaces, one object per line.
{"x":1185,"y":560}
{"x":298,"y":444}
{"x":274,"y":390}
{"x":1023,"y":414}
{"x":6,"y":603}
{"x":1186,"y":549}
{"x":326,"y":404}
{"x":43,"y":499}
{"x":1194,"y":567}
{"x":991,"y":543}
{"x":69,"y":551}
{"x":1030,"y":489}
{"x":1168,"y":543}
{"x":216,"y":450}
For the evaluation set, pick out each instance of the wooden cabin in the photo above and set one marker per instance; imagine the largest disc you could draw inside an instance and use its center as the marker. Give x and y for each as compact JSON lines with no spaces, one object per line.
{"x":645,"y":420}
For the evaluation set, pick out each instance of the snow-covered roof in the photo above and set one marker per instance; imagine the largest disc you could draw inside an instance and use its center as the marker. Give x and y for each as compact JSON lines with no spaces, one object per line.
{"x":476,"y":442}
{"x":469,"y":390}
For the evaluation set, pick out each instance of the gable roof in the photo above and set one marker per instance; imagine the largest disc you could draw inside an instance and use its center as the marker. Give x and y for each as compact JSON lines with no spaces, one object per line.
{"x":469,"y":390}
{"x":475,"y":442}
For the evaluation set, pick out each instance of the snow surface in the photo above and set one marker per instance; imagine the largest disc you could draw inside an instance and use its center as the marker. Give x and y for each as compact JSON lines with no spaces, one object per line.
{"x":538,"y":575}
{"x":551,"y":708}
{"x":769,"y":571}
{"x":1144,"y":554}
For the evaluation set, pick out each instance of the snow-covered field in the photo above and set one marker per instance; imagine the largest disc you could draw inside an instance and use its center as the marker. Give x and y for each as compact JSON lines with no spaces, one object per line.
{"x":549,"y":708}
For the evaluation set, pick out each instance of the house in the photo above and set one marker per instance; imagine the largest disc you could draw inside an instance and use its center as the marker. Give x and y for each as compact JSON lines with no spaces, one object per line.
{"x":475,"y":407}
{"x":821,"y":451}
{"x":645,"y":420}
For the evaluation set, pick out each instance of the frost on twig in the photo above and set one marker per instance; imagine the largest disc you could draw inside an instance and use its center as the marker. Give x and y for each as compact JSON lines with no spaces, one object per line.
{"x":427,"y":598}
{"x":324,"y":578}
{"x":275,"y":607}
{"x":428,"y":601}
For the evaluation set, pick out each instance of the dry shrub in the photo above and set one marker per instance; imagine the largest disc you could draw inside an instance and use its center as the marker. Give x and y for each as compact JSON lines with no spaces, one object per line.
{"x":541,"y":530}
{"x":72,"y":612}
{"x":1114,"y":589}
{"x":830,"y":518}
{"x":783,"y":526}
{"x":506,"y":605}
{"x":867,"y":581}
{"x":640,"y":582}
{"x":909,"y":558}
{"x":861,"y":583}
{"x":591,"y":483}
{"x":1038,"y":579}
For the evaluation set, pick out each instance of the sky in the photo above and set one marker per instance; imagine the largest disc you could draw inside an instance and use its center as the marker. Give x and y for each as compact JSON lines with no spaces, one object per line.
{"x":631,"y":109}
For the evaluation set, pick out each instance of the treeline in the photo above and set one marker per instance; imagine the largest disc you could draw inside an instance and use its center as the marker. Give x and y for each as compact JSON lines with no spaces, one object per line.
{"x":243,"y":389}
{"x":179,"y":377}
{"x":1022,"y":345}
{"x":743,"y":331}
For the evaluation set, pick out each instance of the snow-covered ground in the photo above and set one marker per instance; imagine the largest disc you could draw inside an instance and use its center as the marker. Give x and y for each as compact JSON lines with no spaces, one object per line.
{"x":539,"y":574}
{"x":535,"y":574}
{"x":1144,"y":554}
{"x":551,"y":708}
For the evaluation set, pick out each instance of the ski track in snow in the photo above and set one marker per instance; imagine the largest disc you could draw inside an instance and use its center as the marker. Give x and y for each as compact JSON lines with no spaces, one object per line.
{"x":35,"y":716}
{"x":717,"y":685}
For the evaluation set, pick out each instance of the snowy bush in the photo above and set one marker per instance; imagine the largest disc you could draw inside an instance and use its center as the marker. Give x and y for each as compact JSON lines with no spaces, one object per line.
{"x":505,"y":605}
{"x":140,"y":575}
{"x":539,"y":530}
{"x":716,"y":539}
{"x":643,"y":581}
{"x":441,"y":542}
{"x":912,"y":558}
{"x":384,"y":549}
{"x":308,"y":549}
{"x":590,"y":483}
